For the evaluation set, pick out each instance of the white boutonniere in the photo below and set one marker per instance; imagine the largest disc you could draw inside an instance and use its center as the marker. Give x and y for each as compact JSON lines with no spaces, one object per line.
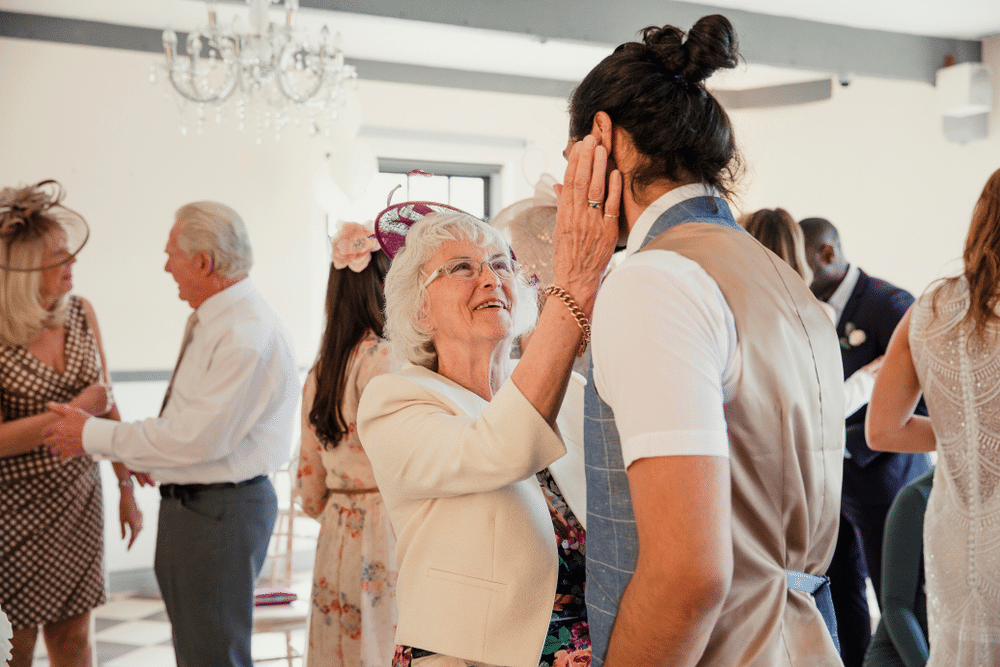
{"x":853,"y":337}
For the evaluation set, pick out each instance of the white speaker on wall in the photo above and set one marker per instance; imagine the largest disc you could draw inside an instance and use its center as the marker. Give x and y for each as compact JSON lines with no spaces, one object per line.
{"x":964,"y":90}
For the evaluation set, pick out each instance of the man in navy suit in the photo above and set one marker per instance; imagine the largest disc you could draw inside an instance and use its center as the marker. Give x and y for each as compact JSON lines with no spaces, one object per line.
{"x":868,"y":310}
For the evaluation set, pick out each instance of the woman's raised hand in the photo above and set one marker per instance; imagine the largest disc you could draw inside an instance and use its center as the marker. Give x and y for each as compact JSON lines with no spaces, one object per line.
{"x":95,"y":400}
{"x":586,"y":222}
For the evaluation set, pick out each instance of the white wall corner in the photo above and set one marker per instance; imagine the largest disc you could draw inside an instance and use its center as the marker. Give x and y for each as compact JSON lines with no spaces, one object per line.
{"x":965,"y":95}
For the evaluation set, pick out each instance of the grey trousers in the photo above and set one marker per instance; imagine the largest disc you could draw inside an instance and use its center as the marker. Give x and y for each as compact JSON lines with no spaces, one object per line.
{"x":210,"y":547}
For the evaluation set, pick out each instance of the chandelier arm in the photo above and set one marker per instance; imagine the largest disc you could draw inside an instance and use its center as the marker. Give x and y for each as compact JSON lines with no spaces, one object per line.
{"x":286,"y":87}
{"x":290,"y":94}
{"x":227,"y":89}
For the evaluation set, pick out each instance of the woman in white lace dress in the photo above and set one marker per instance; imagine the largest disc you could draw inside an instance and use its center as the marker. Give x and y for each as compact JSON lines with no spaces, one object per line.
{"x":948,"y":347}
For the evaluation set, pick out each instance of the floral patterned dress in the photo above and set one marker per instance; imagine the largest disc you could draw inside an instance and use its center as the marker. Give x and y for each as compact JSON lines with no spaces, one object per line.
{"x":567,"y":642}
{"x":353,"y":620}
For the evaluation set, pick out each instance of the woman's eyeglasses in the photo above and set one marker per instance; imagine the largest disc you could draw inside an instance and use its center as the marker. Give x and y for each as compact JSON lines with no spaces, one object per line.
{"x":465,"y":268}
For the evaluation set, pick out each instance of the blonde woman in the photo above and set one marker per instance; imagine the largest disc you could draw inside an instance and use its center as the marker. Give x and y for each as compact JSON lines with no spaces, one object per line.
{"x":51,"y":513}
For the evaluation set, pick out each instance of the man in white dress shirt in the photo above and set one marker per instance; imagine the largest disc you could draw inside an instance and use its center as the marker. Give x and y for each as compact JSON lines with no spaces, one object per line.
{"x":225,"y":424}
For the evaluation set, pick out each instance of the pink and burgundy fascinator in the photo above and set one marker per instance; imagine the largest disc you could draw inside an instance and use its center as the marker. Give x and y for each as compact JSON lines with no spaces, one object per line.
{"x":30,"y":213}
{"x":352,"y":247}
{"x":393,"y":223}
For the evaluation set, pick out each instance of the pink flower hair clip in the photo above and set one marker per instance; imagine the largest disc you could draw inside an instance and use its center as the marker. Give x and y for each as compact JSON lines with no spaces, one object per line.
{"x":352,"y":247}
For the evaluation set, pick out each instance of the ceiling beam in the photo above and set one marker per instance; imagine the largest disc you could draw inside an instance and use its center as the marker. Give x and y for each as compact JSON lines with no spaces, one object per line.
{"x":76,"y":31}
{"x":776,"y":96}
{"x":150,"y":40}
{"x":764,"y":39}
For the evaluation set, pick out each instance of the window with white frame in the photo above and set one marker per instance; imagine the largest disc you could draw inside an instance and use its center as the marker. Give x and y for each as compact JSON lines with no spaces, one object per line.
{"x":468,"y":187}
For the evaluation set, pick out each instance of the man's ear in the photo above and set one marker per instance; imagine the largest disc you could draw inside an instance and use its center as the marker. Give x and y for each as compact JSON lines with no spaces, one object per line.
{"x":827,"y":254}
{"x":603,"y":130}
{"x":205,"y":265}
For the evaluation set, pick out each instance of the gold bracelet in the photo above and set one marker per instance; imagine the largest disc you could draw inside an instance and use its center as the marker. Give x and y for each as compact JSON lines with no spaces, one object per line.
{"x":577,"y":312}
{"x":126,"y":483}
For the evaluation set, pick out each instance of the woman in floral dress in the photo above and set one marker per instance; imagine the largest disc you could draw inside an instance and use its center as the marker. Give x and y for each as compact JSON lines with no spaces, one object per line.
{"x":353,"y":618}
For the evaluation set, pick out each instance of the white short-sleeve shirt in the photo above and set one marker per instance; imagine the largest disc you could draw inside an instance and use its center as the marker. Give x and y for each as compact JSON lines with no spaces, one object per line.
{"x":665,"y":348}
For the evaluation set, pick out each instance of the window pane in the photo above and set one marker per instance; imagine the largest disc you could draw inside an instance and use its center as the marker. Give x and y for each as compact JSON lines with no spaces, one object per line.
{"x":428,"y":188}
{"x":466,"y":193}
{"x":469,"y":194}
{"x":378,"y":192}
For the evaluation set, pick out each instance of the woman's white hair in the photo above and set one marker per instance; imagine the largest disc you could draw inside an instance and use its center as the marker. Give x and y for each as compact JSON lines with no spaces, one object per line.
{"x":406,"y":296}
{"x":207,"y":226}
{"x":22,"y":316}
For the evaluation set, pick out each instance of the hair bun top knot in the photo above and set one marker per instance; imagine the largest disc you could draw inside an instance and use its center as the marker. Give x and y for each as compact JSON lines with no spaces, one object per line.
{"x":710,"y":45}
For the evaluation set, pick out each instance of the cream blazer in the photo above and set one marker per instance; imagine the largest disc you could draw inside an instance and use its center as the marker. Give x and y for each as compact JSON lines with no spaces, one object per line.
{"x":475,"y":546}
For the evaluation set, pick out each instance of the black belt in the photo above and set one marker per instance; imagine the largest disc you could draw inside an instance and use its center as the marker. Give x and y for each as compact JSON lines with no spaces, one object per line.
{"x":188,"y":490}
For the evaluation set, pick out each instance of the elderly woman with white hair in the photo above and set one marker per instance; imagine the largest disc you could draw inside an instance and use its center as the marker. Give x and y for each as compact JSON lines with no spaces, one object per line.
{"x":489,"y":550}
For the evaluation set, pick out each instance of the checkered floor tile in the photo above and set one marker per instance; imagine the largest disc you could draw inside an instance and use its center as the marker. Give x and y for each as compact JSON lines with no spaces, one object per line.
{"x":132,"y":629}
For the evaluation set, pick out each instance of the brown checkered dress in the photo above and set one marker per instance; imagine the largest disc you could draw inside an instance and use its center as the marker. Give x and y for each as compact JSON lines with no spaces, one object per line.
{"x":51,"y":513}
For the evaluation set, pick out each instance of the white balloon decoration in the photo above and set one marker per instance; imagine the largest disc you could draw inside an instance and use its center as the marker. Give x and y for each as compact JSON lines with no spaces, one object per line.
{"x":328,"y":194}
{"x":348,"y":117}
{"x":352,"y":165}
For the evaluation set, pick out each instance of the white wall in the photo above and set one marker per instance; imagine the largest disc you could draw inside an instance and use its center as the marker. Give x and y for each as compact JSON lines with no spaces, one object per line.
{"x":873,"y":160}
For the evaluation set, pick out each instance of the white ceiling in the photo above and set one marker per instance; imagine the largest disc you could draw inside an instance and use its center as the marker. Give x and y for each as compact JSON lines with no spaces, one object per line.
{"x":961,"y":19}
{"x":447,"y":46}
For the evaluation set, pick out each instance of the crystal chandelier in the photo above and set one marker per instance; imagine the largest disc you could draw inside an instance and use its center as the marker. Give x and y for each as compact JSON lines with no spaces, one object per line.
{"x":273,"y":74}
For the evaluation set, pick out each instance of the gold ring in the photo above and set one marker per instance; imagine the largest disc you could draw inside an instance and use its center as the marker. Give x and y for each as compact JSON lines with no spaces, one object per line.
{"x":610,"y":215}
{"x":593,"y":204}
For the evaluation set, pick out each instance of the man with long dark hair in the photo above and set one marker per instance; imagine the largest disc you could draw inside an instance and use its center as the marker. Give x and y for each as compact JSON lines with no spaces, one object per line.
{"x":713,"y":437}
